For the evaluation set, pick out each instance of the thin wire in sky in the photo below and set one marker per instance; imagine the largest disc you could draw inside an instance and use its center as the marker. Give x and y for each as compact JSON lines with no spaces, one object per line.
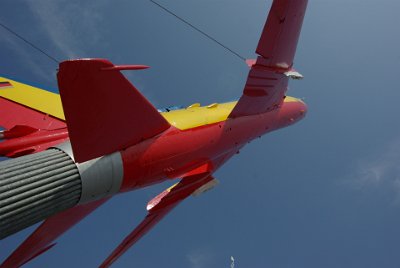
{"x":29,"y":43}
{"x":198,"y":30}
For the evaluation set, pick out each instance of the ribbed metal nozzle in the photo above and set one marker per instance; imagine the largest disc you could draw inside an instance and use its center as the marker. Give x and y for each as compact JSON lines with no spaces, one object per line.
{"x":35,"y":187}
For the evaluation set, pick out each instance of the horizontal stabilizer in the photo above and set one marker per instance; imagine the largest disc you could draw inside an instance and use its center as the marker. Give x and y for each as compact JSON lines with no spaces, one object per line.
{"x":104,"y":111}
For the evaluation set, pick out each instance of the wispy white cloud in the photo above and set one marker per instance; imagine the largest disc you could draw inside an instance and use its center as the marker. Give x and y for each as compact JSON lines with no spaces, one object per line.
{"x":71,"y":26}
{"x":199,"y":259}
{"x":380,"y":170}
{"x":20,"y":48}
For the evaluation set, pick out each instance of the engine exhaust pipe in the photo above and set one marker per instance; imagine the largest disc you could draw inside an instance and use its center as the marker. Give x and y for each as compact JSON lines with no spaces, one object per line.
{"x":37,"y":186}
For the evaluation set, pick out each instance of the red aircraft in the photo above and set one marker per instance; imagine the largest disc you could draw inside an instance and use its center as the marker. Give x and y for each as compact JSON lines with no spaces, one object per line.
{"x":116,"y":141}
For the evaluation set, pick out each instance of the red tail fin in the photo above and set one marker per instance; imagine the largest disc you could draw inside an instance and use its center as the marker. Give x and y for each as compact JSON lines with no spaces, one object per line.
{"x":104,"y":112}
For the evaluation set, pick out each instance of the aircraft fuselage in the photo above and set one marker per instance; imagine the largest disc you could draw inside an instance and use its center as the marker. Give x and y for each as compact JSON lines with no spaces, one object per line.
{"x":175,"y":152}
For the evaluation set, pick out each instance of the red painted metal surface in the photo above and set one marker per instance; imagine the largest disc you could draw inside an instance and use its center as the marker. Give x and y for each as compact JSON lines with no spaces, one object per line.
{"x":12,"y":114}
{"x":18,"y":131}
{"x":264,"y":91}
{"x":42,"y":238}
{"x":281,"y":32}
{"x":179,"y":152}
{"x":37,"y":141}
{"x":28,"y":131}
{"x":98,"y":105}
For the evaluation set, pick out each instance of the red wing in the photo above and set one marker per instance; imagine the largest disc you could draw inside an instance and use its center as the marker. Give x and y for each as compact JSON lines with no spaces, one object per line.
{"x":267,"y":81}
{"x":32,"y":117}
{"x":23,"y":104}
{"x":13,"y":114}
{"x":42,"y":238}
{"x":104,"y":111}
{"x":158,"y":207}
{"x":281,"y":32}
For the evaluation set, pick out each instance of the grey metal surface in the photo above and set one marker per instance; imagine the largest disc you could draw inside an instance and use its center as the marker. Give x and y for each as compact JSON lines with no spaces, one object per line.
{"x":101,"y":177}
{"x":34,"y":187}
{"x":37,"y":186}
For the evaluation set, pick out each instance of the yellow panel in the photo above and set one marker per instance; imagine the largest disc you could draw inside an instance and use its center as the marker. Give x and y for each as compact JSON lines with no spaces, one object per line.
{"x":199,"y":116}
{"x":291,"y":99}
{"x":33,"y":97}
{"x":196,"y":116}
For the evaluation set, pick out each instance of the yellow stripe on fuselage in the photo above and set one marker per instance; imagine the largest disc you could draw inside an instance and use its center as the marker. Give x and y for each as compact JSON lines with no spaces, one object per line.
{"x":50,"y":103}
{"x":33,"y":97}
{"x":199,"y":116}
{"x":196,"y":116}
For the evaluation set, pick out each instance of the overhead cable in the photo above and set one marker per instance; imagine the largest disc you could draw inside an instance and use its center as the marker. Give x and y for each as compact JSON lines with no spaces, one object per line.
{"x":29,"y":43}
{"x":198,"y":30}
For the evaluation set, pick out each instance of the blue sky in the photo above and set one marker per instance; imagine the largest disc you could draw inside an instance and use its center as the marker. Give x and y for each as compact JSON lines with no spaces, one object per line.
{"x":322,"y":193}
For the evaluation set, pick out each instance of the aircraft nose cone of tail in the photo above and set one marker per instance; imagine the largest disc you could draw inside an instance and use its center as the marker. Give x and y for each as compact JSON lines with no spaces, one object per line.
{"x":299,"y":110}
{"x":293,"y":110}
{"x":303,"y":108}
